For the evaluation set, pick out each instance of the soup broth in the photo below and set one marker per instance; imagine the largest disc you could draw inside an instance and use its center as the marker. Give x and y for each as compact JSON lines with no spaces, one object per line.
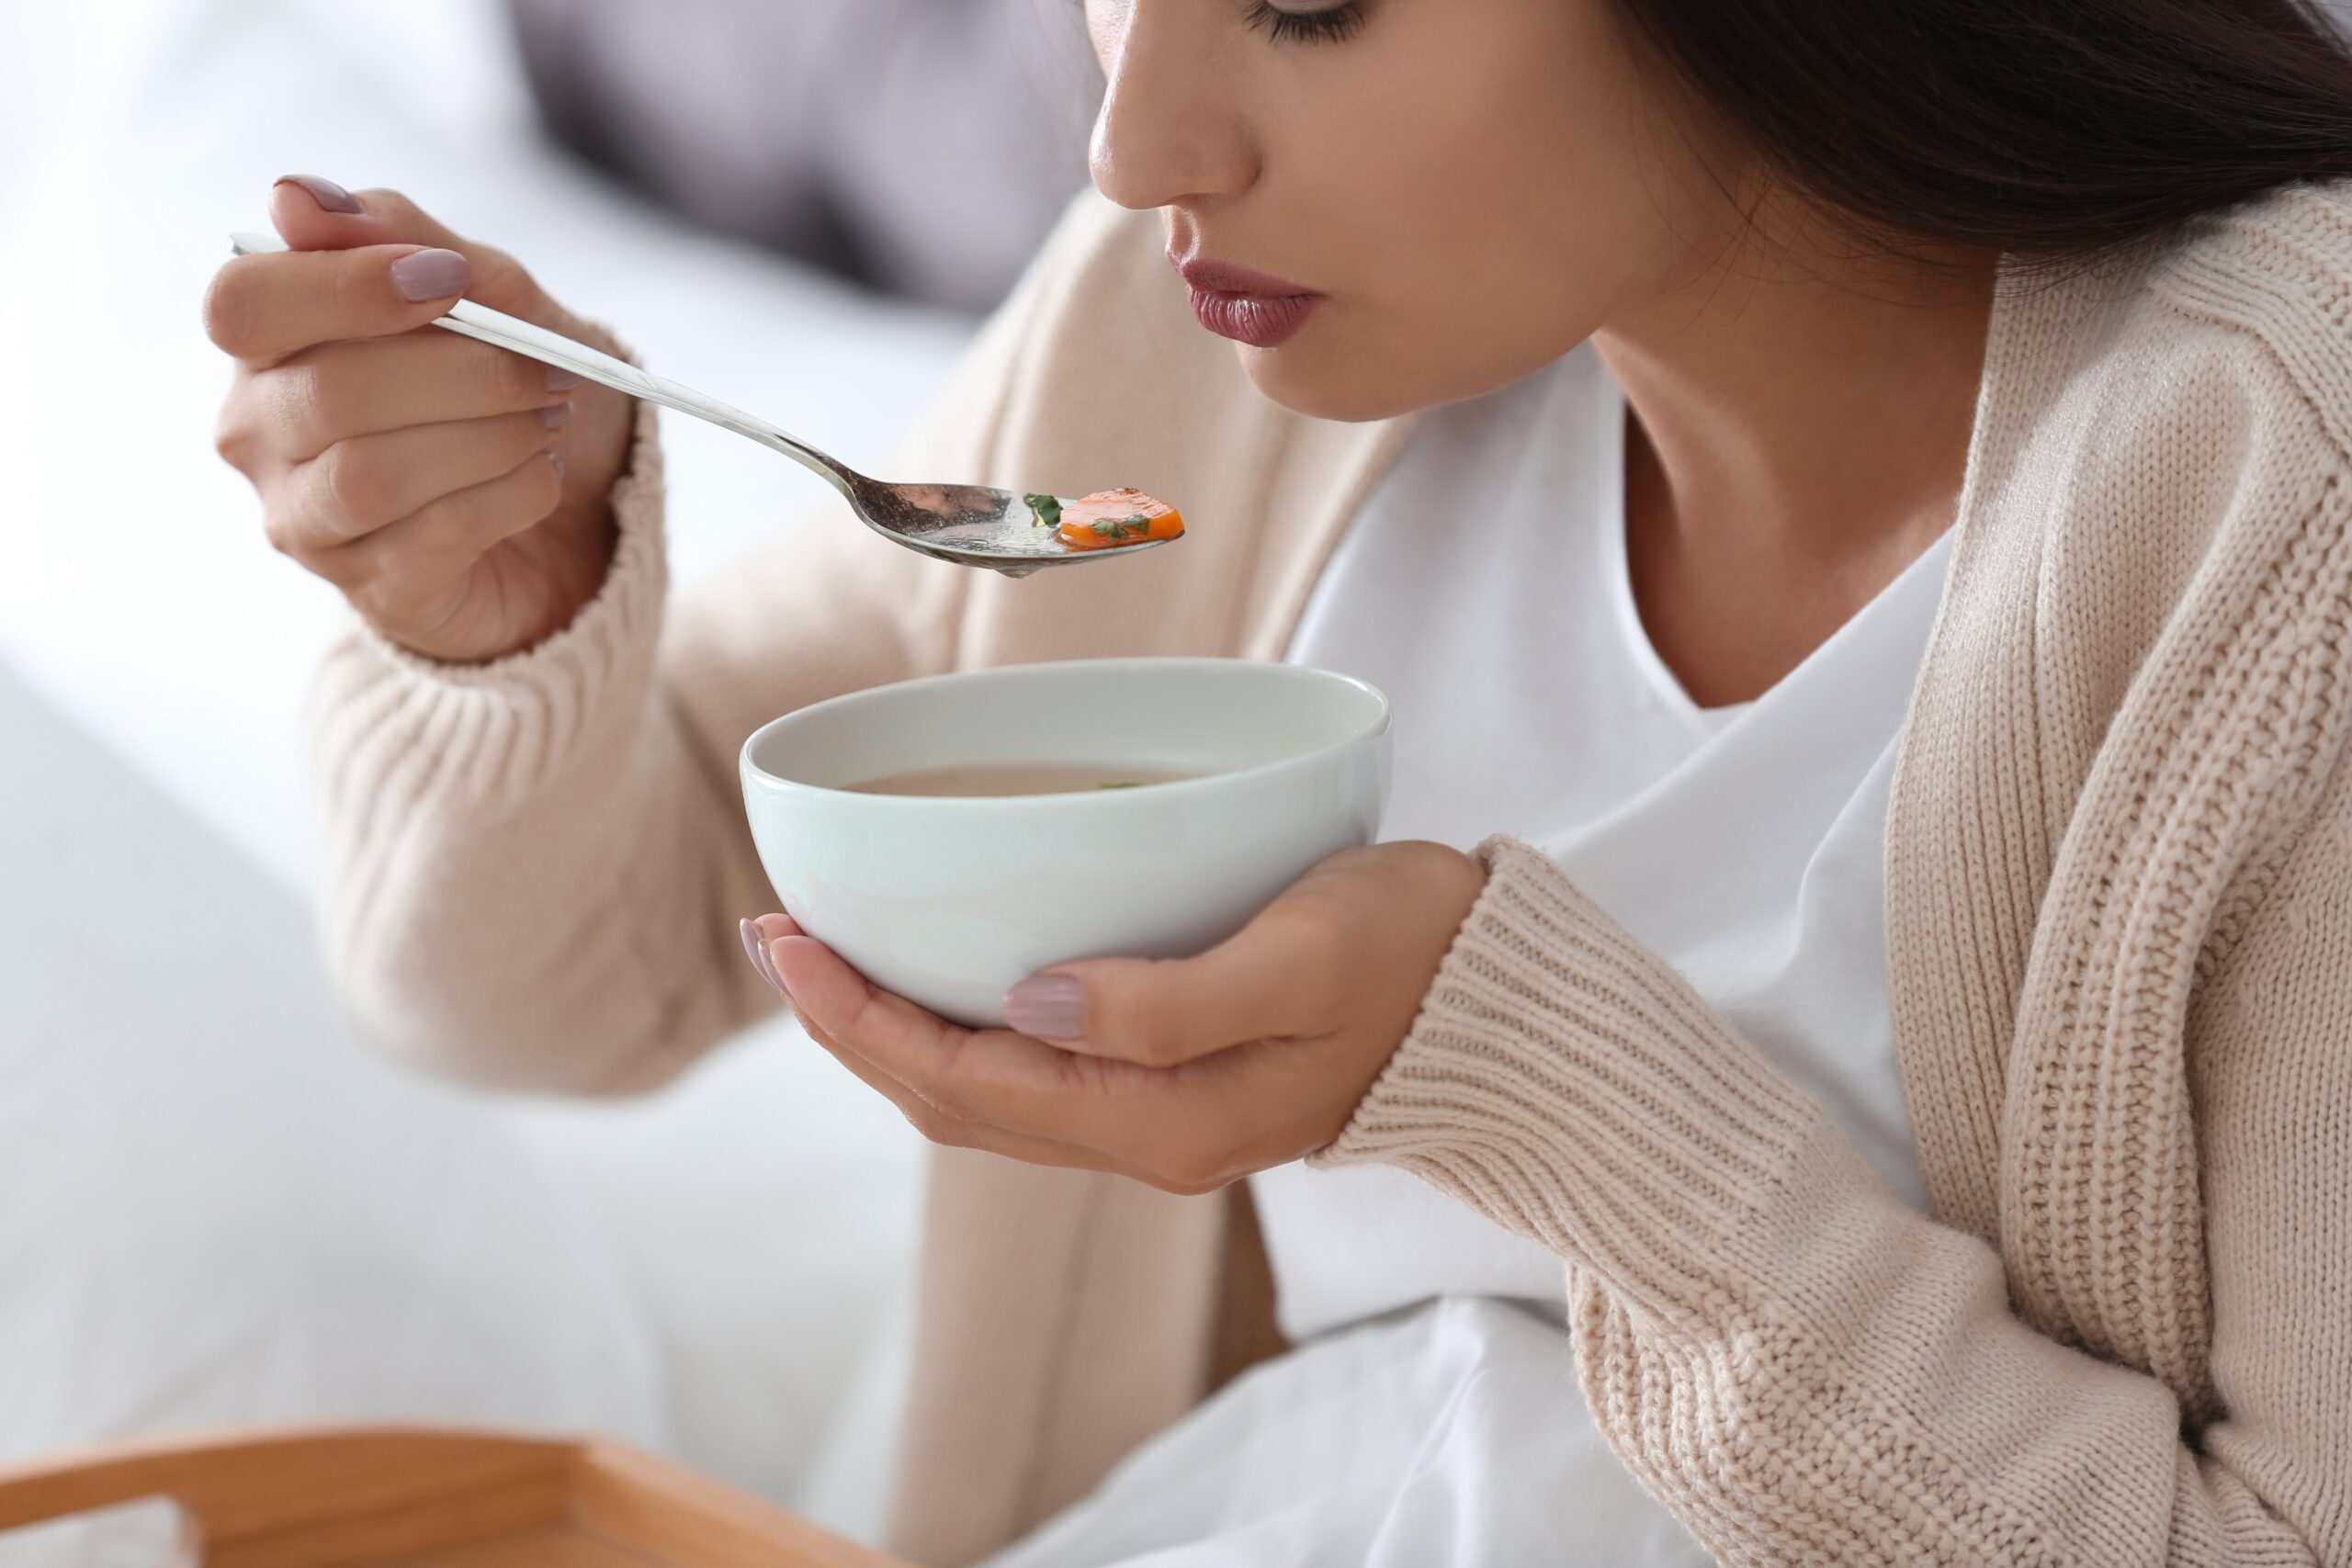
{"x":1019,"y":778}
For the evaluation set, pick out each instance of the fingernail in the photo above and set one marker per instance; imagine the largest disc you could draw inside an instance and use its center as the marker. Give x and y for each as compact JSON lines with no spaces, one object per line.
{"x":1051,"y":1007}
{"x":555,"y":414}
{"x":757,"y":952}
{"x":325,"y":192}
{"x":557,"y":458}
{"x":431,"y":275}
{"x":562,"y":380}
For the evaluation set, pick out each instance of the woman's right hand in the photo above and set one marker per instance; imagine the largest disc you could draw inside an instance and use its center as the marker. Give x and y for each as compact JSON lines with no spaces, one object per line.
{"x":458,"y":494}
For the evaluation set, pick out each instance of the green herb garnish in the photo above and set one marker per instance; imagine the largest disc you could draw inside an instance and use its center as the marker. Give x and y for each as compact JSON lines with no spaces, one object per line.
{"x":1046,"y":508}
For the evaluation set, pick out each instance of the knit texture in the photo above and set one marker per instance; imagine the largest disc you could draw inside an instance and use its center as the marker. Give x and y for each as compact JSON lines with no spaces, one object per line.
{"x":2119,"y":907}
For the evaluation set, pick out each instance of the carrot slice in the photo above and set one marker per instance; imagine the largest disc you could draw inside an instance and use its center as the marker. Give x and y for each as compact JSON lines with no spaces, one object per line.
{"x":1117,"y":517}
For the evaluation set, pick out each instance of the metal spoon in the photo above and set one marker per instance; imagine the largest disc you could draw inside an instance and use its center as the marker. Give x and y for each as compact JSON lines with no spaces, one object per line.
{"x":968,"y":525}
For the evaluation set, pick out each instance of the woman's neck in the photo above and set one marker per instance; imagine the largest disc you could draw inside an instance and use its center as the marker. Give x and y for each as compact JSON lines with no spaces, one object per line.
{"x":1798,"y":436}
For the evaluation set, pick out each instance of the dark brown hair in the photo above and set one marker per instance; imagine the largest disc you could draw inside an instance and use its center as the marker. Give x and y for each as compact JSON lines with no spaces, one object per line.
{"x":2051,"y":129}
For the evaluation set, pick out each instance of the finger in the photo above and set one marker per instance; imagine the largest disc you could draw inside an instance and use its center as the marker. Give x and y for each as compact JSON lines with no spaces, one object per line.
{"x":821,"y":973}
{"x":970,"y":1073}
{"x":261,"y":309}
{"x":377,"y":217}
{"x":1279,"y":976}
{"x":325,"y":393}
{"x":311,"y":212}
{"x":950,"y":1132}
{"x":1117,"y":1112}
{"x":361,"y":483}
{"x":405,"y":566}
{"x":757,"y":933}
{"x":910,"y":1044}
{"x":774,"y":928}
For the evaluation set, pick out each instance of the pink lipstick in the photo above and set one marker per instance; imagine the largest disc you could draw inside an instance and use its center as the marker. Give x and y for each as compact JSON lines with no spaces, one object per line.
{"x":1248,"y":307}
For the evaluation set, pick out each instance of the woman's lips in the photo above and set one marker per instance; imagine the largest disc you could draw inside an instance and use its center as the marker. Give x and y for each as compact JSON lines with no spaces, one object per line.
{"x":1254,"y":318}
{"x":1249,"y":307}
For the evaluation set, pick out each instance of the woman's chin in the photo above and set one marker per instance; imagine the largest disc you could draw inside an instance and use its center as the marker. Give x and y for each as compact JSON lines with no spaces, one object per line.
{"x":1322,"y":385}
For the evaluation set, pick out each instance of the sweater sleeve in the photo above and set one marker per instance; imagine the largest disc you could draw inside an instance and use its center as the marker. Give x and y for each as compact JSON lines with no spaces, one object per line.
{"x":505,"y":841}
{"x":534,"y":867}
{"x":1801,"y":1366}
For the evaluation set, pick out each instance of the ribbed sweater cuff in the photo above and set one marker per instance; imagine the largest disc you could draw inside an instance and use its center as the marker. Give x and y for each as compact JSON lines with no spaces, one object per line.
{"x":1565,"y":1082}
{"x":505,"y":728}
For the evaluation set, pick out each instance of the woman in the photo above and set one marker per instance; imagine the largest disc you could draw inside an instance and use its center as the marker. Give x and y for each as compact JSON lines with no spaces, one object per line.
{"x":1872,"y":521}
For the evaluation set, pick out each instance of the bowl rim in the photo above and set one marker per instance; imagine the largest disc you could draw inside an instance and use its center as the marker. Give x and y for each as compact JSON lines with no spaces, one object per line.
{"x":1083,"y":800}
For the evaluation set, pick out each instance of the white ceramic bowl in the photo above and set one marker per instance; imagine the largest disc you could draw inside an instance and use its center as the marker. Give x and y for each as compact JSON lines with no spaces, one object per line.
{"x":949,"y":900}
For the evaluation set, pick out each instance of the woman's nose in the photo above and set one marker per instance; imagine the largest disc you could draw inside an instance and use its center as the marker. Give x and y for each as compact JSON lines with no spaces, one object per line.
{"x":1166,"y":131}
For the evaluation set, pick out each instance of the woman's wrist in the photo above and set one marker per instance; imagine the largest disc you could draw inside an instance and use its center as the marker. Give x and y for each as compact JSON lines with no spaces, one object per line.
{"x":569,"y":702}
{"x":1566,"y":1082}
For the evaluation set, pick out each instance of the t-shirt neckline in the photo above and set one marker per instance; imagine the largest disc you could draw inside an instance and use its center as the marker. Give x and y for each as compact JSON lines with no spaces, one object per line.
{"x":1617,"y":570}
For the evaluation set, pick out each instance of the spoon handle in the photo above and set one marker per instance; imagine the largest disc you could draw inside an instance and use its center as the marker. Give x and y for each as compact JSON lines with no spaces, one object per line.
{"x":496,"y":327}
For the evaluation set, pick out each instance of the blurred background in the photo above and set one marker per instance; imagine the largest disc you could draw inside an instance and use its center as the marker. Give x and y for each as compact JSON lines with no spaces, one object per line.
{"x":214,"y":1210}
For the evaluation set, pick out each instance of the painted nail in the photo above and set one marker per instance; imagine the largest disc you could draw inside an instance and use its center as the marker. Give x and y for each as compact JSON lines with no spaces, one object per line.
{"x":557,"y":458}
{"x":757,"y":952}
{"x":562,"y":380}
{"x":1051,"y":1007}
{"x":555,"y":414}
{"x":431,"y":275}
{"x":330,"y":195}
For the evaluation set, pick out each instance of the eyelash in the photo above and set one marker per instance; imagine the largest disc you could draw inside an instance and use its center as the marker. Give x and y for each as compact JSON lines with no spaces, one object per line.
{"x":1307,"y":26}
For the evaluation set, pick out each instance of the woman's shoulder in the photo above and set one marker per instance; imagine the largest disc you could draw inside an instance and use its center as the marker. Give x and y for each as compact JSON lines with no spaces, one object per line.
{"x":2163,"y":463}
{"x":2262,"y":292}
{"x":2286,"y":255}
{"x":2198,"y":397}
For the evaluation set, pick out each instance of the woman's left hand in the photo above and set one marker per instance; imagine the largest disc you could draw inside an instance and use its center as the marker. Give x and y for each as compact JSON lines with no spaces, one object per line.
{"x":1184,"y":1074}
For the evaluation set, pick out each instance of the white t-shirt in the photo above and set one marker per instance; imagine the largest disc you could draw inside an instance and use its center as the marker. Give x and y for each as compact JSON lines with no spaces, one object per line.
{"x":1430,"y":1413}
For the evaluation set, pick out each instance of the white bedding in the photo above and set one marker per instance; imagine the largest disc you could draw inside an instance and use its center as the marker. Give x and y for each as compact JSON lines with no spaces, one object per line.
{"x":740,"y":1237}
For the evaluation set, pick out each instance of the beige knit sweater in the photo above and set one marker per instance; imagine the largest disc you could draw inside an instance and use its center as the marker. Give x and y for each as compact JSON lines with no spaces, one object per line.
{"x":2119,"y":929}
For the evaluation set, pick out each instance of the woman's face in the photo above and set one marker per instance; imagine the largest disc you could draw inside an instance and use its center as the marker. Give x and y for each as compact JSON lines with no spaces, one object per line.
{"x":1441,"y":196}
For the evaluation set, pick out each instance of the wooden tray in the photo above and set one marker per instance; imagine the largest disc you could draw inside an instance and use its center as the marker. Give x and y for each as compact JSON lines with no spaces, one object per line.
{"x":382,"y":1498}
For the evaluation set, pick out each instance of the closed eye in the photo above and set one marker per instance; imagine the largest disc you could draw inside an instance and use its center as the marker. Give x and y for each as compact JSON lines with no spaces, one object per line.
{"x":1327,"y":26}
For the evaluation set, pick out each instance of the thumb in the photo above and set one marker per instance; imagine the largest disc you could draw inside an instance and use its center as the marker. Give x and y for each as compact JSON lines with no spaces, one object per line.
{"x":1276,"y":977}
{"x":312,"y":213}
